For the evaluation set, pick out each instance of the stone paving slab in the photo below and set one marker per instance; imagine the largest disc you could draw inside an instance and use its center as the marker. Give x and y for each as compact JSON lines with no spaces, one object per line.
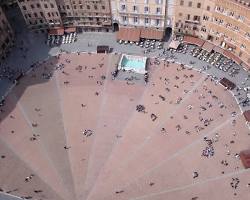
{"x":154,"y":148}
{"x":208,"y":189}
{"x":49,"y":123}
{"x":121,"y":99}
{"x":194,"y":101}
{"x":18,"y":134}
{"x":179,"y":170}
{"x":80,"y":109}
{"x":131,"y":152}
{"x":13,"y":178}
{"x":131,"y":139}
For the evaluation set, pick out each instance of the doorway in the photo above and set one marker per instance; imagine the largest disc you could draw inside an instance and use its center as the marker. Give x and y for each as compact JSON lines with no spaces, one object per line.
{"x":168,"y":34}
{"x":115,"y":27}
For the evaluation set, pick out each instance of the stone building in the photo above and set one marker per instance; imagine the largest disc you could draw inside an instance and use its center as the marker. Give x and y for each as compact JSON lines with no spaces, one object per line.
{"x":40,"y":14}
{"x":225,"y":23}
{"x":6,"y":35}
{"x":142,"y":13}
{"x":86,"y":15}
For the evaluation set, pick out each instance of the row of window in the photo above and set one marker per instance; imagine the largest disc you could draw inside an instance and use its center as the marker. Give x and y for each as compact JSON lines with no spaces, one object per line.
{"x":230,"y":26}
{"x":158,"y":2}
{"x":32,"y":6}
{"x":136,"y":9}
{"x":97,"y":19}
{"x":227,"y":25}
{"x":147,"y":21}
{"x":195,"y":17}
{"x":190,"y":4}
{"x":85,"y":13}
{"x":38,"y":5}
{"x":185,"y":26}
{"x":74,"y":2}
{"x":67,"y":7}
{"x":229,"y":13}
{"x":81,"y":2}
{"x":41,"y":14}
{"x":216,"y":20}
{"x":229,"y":39}
{"x":41,"y":21}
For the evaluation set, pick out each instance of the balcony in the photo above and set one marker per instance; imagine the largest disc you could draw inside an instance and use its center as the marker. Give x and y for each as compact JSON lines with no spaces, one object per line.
{"x":106,"y":23}
{"x":192,"y":22}
{"x":89,"y":24}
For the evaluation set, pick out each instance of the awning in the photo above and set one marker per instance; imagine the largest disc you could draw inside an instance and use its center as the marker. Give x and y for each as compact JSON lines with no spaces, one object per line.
{"x":56,"y":31}
{"x":208,"y":46}
{"x":149,"y":33}
{"x":246,"y":66}
{"x":218,"y":49}
{"x":193,"y":40}
{"x":227,"y":84}
{"x":230,"y":45}
{"x":129,"y":34}
{"x":247,"y":115}
{"x":245,"y":158}
{"x":232,"y":56}
{"x":174,"y":44}
{"x":70,"y":30}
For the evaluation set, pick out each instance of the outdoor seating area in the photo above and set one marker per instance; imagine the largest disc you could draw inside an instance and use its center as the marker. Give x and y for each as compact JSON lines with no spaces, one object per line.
{"x":178,"y":47}
{"x":216,"y":59}
{"x":56,"y":40}
{"x":147,"y":44}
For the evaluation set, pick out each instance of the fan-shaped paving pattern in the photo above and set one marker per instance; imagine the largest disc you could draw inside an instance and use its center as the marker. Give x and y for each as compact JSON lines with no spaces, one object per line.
{"x":79,"y":133}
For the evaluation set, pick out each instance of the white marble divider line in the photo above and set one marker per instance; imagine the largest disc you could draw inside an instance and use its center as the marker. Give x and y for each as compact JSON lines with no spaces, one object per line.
{"x":179,"y":152}
{"x":242,"y":171}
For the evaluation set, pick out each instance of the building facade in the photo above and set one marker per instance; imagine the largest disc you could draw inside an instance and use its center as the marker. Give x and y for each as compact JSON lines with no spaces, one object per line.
{"x":225,"y":23}
{"x":40,"y":14}
{"x":6,"y":35}
{"x":139,"y":13}
{"x":230,"y":27}
{"x":7,"y":3}
{"x":87,"y":15}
